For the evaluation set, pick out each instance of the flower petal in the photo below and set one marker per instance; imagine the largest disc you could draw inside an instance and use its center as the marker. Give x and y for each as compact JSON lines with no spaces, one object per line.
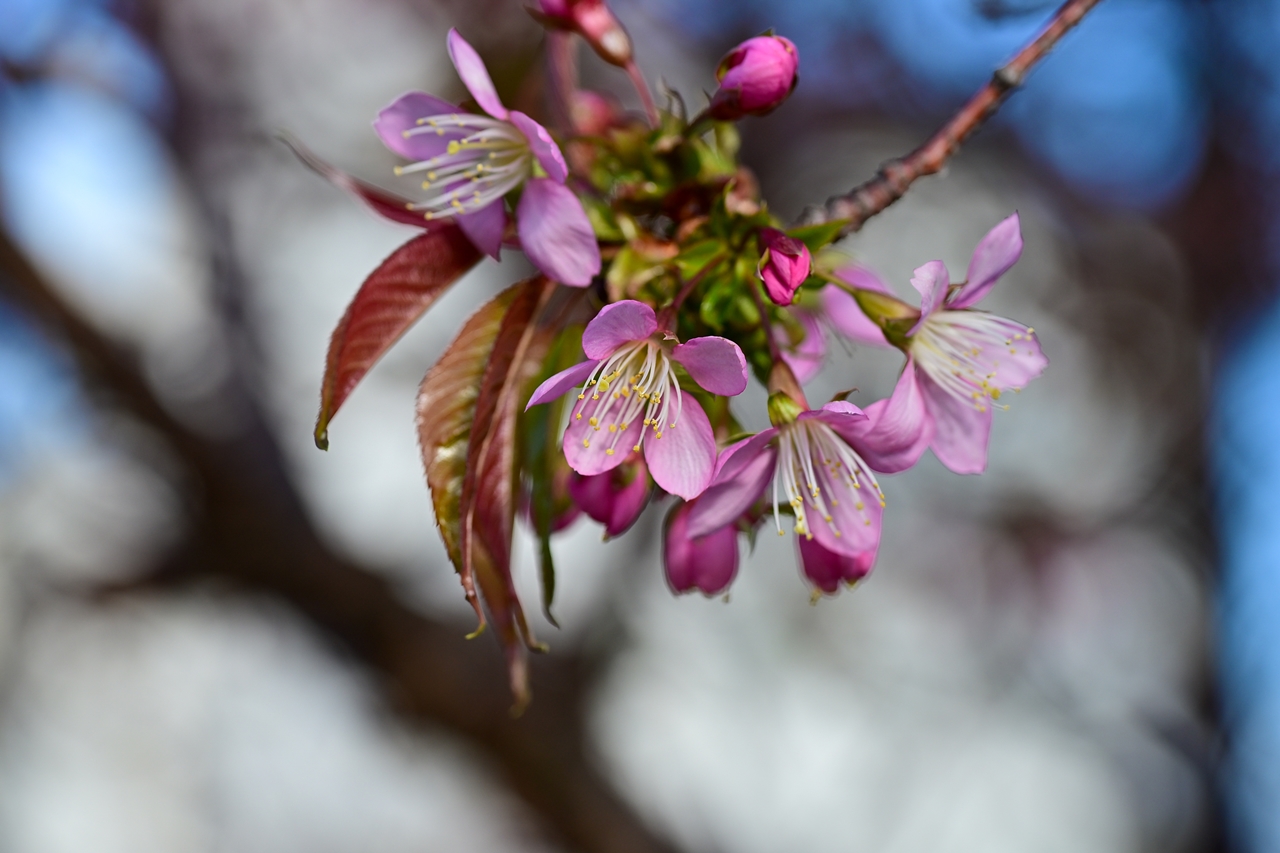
{"x":896,"y":431}
{"x":992,"y":258}
{"x":558,"y":385}
{"x":707,"y":563}
{"x":474,"y":75}
{"x":846,"y":317}
{"x":542,"y":145}
{"x":617,"y":324}
{"x":402,"y":115}
{"x":931,"y":280}
{"x":485,"y":227}
{"x":682,"y":458}
{"x":827,"y":570}
{"x":960,"y":429}
{"x":585,"y":447}
{"x":555,"y":233}
{"x":743,"y":472}
{"x":717,"y":364}
{"x":854,"y":525}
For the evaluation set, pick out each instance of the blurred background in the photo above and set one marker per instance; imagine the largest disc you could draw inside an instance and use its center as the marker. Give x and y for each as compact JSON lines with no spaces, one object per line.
{"x":214,"y":637}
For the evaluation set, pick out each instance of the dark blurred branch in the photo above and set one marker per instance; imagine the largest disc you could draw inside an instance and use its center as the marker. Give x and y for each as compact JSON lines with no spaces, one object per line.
{"x":249,"y":526}
{"x":895,"y":177}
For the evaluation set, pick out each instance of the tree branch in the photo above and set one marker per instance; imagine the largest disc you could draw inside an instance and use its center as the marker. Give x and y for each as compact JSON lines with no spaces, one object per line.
{"x":895,"y":177}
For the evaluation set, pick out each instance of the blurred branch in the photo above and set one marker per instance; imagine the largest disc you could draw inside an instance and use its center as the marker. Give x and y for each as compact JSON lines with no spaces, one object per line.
{"x":895,"y":177}
{"x":249,"y":526}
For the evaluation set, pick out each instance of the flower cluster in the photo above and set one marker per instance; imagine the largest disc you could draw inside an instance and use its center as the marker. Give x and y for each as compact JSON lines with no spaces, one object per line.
{"x":605,"y":383}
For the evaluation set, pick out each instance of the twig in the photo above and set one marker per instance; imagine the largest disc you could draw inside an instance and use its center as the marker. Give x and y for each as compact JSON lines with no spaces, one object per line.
{"x":893,"y":179}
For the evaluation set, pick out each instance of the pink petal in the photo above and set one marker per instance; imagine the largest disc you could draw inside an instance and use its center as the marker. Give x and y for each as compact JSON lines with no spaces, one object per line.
{"x":485,"y":227}
{"x":743,"y":472}
{"x":555,"y":233}
{"x":585,"y":446}
{"x":897,"y":430}
{"x":847,"y":318}
{"x":992,"y":258}
{"x":617,"y":324}
{"x":716,"y":364}
{"x":708,"y":563}
{"x":684,"y":458}
{"x":854,"y":526}
{"x":402,"y":115}
{"x":543,"y":146}
{"x":474,"y":75}
{"x":615,"y":499}
{"x":960,"y":429}
{"x":805,"y":359}
{"x":844,"y":411}
{"x":1018,"y":363}
{"x":558,"y":385}
{"x":932,"y":281}
{"x":827,"y":570}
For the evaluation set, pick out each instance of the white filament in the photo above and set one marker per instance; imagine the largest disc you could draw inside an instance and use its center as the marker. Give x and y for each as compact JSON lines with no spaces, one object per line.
{"x":636,"y":380}
{"x":487,"y":159}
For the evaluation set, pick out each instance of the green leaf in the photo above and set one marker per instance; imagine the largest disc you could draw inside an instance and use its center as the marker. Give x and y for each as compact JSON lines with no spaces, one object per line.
{"x":693,"y":259}
{"x":817,"y":237}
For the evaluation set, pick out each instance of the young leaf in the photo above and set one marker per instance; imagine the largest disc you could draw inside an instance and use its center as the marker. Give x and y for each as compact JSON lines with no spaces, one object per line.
{"x":391,"y":206}
{"x":816,"y":237}
{"x":391,"y":299}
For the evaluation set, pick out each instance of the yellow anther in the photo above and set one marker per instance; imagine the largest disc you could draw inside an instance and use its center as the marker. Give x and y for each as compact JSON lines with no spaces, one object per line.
{"x":613,"y":427}
{"x":636,"y":448}
{"x":398,"y":170}
{"x":593,"y":421}
{"x":454,"y":147}
{"x":860,"y":505}
{"x":582,"y":397}
{"x":608,"y":451}
{"x":586,"y":443}
{"x":656,"y":434}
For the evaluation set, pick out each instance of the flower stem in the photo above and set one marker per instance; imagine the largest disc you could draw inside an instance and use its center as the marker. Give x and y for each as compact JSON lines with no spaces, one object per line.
{"x":562,"y":69}
{"x":774,"y":352}
{"x":642,"y":88}
{"x":891,"y":182}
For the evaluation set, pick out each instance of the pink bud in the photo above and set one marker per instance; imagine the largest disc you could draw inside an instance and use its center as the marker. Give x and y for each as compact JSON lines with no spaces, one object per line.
{"x":755,"y":77}
{"x":708,"y":563}
{"x":827,"y":569}
{"x":615,"y":498}
{"x":784,"y":265}
{"x":594,"y":21}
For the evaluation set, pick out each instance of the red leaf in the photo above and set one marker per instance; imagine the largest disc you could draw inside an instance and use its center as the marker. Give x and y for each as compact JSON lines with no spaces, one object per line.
{"x":391,"y":299}
{"x":391,"y":206}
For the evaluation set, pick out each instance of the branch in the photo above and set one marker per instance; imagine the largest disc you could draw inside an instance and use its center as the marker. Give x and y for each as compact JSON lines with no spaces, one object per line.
{"x":248,"y":525}
{"x":891,"y":182}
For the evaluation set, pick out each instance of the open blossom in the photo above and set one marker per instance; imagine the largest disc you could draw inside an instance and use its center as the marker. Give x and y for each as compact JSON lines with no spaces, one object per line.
{"x":965,"y":359}
{"x":822,"y":464}
{"x":468,"y":163}
{"x":784,"y":265}
{"x":755,"y":78}
{"x":631,"y":400}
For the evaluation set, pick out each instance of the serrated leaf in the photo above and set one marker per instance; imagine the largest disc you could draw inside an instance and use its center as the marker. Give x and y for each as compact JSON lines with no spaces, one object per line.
{"x":817,"y":237}
{"x":389,"y":301}
{"x":387,"y":204}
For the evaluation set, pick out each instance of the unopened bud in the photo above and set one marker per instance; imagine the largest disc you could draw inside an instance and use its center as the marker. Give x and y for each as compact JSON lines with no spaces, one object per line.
{"x":784,"y":265}
{"x":783,"y":409}
{"x":594,"y":21}
{"x":755,"y":77}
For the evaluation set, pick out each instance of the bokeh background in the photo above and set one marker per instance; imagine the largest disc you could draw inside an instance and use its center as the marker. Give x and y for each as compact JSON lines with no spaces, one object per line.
{"x":214,"y":637}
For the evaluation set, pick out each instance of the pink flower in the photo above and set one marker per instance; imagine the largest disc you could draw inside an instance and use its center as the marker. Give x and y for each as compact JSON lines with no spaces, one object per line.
{"x":755,"y":77}
{"x":631,"y":400}
{"x":594,"y":21}
{"x":470,"y":162}
{"x":784,"y":265}
{"x":964,"y":359}
{"x":615,"y":498}
{"x":821,"y":464}
{"x":707,"y":563}
{"x":827,"y":570}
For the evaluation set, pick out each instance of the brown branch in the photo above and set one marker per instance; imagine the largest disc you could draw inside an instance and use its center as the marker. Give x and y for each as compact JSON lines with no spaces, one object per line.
{"x":895,"y":177}
{"x":248,"y":525}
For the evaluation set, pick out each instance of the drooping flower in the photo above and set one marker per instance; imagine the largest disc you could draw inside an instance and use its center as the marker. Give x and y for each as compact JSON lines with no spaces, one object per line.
{"x":784,"y":265}
{"x":594,"y":21}
{"x":822,"y":464}
{"x":631,"y":399}
{"x":469,"y":163}
{"x":706,"y":563}
{"x":615,"y":498}
{"x":755,"y":78}
{"x":965,"y":359}
{"x":826,"y":570}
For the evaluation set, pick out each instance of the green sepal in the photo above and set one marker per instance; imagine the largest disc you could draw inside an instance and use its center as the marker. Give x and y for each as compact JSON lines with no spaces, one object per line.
{"x":818,"y":237}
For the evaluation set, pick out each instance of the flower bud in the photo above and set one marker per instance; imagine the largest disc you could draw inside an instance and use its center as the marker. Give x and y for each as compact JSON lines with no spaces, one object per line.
{"x":707,"y":563}
{"x":594,"y":21}
{"x":826,"y":570}
{"x":755,"y":77}
{"x":784,"y":265}
{"x":615,"y":498}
